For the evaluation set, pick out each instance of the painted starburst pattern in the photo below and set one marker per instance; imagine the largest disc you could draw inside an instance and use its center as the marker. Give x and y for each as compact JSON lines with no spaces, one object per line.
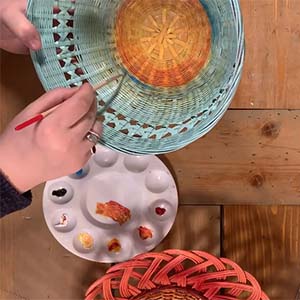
{"x":163,"y":33}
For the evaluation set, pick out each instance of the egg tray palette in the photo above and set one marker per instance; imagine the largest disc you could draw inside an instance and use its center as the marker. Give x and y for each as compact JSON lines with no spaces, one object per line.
{"x":116,"y":207}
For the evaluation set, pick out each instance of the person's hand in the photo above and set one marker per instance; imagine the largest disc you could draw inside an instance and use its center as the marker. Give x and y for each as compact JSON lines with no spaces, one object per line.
{"x":17,"y":34}
{"x":54,"y":147}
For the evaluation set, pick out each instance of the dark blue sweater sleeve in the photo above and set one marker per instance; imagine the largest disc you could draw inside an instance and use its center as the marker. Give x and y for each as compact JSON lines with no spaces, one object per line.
{"x":10,"y":199}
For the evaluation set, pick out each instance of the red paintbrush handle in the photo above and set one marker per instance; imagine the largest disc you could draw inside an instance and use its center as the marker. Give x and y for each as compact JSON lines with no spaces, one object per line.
{"x":44,"y":114}
{"x":29,"y":122}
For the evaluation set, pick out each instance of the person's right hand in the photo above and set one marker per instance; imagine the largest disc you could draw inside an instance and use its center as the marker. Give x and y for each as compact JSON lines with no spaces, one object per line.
{"x":54,"y":147}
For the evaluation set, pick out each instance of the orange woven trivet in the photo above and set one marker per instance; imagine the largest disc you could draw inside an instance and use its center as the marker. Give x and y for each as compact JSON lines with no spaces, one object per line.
{"x":176,"y":275}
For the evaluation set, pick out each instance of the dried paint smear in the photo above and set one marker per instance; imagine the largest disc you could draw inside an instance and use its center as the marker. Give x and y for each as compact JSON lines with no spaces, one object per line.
{"x":59,"y":193}
{"x":63,"y":221}
{"x":115,"y":211}
{"x":114,"y":246}
{"x":145,"y":233}
{"x":160,"y":211}
{"x":86,"y":240}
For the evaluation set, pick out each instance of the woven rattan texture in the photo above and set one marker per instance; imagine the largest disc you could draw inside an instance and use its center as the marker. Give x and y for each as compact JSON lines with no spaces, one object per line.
{"x":170,"y":294}
{"x":167,"y":47}
{"x":80,"y":45}
{"x":209,"y":276}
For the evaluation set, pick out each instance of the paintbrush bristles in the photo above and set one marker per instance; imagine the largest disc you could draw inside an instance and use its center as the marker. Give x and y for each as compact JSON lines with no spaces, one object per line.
{"x":103,"y":83}
{"x":95,"y":88}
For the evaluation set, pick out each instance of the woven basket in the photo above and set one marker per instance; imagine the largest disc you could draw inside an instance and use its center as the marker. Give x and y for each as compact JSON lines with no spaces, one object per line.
{"x":176,"y":275}
{"x":182,"y":62}
{"x":170,"y":293}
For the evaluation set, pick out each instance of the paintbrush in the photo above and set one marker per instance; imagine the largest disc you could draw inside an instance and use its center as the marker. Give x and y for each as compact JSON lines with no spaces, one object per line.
{"x":41,"y":116}
{"x":112,"y":98}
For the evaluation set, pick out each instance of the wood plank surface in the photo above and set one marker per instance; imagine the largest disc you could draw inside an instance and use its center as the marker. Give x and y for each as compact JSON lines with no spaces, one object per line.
{"x":19,"y":85}
{"x":250,"y":157}
{"x":34,"y":265}
{"x":265,"y":240}
{"x":196,"y":228}
{"x":272,"y":65}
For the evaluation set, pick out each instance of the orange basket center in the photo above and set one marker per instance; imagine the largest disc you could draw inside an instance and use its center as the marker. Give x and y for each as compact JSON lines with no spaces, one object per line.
{"x":170,"y":293}
{"x":163,"y":43}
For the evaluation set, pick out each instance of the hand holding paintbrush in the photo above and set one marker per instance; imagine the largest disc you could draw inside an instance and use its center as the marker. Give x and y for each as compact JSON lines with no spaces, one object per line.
{"x":44,"y":114}
{"x":59,"y":145}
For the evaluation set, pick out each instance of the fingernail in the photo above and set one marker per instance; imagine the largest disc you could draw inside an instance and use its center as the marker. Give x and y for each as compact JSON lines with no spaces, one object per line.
{"x":94,"y":149}
{"x":35,"y":44}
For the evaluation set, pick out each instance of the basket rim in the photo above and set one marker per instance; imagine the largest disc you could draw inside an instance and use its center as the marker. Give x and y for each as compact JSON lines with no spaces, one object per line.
{"x":114,"y":138}
{"x":210,"y":275}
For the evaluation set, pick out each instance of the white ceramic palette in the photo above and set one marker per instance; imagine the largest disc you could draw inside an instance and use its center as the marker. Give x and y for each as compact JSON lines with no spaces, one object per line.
{"x":116,"y":207}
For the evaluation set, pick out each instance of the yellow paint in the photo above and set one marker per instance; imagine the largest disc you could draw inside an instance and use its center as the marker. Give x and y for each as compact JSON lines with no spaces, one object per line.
{"x":169,"y":37}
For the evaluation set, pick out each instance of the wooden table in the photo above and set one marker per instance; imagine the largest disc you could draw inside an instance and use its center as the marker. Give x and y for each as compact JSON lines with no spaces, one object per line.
{"x":240,"y":195}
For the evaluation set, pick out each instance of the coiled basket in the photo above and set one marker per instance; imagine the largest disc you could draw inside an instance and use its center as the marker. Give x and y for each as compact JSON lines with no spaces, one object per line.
{"x":181,"y":61}
{"x":176,"y":275}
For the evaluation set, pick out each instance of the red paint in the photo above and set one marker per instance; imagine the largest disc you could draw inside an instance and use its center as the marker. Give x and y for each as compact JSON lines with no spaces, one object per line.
{"x":160,"y":211}
{"x":114,"y":246}
{"x":29,"y":122}
{"x":145,"y":233}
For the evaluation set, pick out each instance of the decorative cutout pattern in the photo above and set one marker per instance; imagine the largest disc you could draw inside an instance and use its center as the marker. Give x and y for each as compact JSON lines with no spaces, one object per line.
{"x":80,"y":45}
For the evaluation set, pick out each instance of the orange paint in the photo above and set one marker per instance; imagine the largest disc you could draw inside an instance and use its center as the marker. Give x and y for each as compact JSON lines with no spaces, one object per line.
{"x":115,"y":211}
{"x":145,"y":233}
{"x":163,"y":43}
{"x":114,"y":246}
{"x":86,"y":240}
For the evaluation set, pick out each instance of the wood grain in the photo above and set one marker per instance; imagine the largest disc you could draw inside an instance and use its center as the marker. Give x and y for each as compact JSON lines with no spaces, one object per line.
{"x":34,"y":265}
{"x":195,"y":228}
{"x":265,"y":240}
{"x":19,"y":85}
{"x":272,"y":66}
{"x":250,"y":157}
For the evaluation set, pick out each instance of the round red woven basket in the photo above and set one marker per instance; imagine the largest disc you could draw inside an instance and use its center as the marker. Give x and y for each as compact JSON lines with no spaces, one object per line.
{"x":176,"y":275}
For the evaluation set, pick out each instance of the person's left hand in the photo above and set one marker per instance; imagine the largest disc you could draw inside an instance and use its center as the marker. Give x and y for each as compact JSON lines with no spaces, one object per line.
{"x":17,"y":34}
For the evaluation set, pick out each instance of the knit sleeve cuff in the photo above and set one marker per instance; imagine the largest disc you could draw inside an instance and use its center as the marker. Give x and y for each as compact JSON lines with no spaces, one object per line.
{"x":10,"y":199}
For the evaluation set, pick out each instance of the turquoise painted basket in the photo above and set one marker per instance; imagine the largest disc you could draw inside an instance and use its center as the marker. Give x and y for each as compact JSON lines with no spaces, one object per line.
{"x":166,"y":100}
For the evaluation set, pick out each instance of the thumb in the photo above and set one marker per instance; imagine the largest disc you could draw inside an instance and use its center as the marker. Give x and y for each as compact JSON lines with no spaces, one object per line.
{"x":21,"y":27}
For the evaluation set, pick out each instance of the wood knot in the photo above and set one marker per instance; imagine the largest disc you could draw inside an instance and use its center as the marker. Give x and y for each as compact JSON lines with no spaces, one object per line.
{"x":257,"y":180}
{"x":271,"y":129}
